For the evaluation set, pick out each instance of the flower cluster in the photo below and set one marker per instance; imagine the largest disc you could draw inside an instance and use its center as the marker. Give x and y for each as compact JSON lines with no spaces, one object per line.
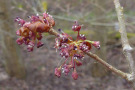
{"x":72,"y":51}
{"x":31,"y":32}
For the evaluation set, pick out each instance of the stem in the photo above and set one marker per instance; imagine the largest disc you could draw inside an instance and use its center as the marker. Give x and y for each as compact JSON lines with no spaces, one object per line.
{"x":125,"y":44}
{"x":110,"y":67}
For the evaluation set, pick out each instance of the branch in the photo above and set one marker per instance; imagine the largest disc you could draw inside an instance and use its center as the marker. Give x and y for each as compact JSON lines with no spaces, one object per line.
{"x":98,"y":59}
{"x":126,"y":47}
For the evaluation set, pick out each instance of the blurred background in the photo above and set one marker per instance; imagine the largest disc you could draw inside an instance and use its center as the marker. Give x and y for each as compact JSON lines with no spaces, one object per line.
{"x":22,"y":70}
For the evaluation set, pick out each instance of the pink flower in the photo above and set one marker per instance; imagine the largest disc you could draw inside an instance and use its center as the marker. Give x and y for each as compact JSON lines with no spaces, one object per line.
{"x":39,"y":44}
{"x":57,"y":44}
{"x":39,"y":36}
{"x":18,"y":32}
{"x":66,"y":69}
{"x":30,"y":48}
{"x":78,"y":63}
{"x":76,"y":27}
{"x":31,"y":43}
{"x":58,"y":72}
{"x":31,"y":31}
{"x":96,"y":44}
{"x":45,"y":15}
{"x":19,"y":41}
{"x":20,"y":21}
{"x":74,"y":75}
{"x":81,"y":37}
{"x":35,"y":18}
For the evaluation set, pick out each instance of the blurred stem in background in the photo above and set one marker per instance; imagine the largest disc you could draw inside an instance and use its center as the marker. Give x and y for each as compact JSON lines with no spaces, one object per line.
{"x":11,"y":53}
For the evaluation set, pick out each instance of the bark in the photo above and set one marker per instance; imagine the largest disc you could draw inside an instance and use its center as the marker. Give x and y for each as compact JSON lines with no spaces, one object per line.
{"x":11,"y":53}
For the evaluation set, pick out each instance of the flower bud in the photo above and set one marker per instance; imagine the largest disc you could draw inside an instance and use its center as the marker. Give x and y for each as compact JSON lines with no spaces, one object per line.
{"x":66,"y":69}
{"x":51,"y":21}
{"x":42,"y":27}
{"x":20,"y":21}
{"x":25,"y":32}
{"x":39,"y":44}
{"x":96,"y":44}
{"x":76,"y":27}
{"x":78,"y":63}
{"x":31,"y":43}
{"x":82,"y":37}
{"x":30,"y":48}
{"x":35,"y":18}
{"x":58,"y":72}
{"x":39,"y":36}
{"x":19,"y":41}
{"x":74,"y":75}
{"x":18,"y":32}
{"x":85,"y":46}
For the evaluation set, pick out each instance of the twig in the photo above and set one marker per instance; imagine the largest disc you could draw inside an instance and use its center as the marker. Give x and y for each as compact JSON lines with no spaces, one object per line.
{"x":95,"y":57}
{"x":110,"y":67}
{"x":126,"y":47}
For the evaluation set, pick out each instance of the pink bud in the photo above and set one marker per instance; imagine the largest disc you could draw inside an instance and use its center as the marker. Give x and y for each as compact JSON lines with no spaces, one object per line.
{"x":31,"y":43}
{"x":78,"y":63}
{"x":82,"y":37}
{"x":58,"y":72}
{"x":35,"y":18}
{"x":76,"y":27}
{"x":39,"y":44}
{"x":30,"y":48}
{"x":74,"y":75}
{"x":66,"y":69}
{"x":45,"y":15}
{"x":96,"y":44}
{"x":19,"y":41}
{"x":18,"y":32}
{"x":39,"y":36}
{"x":22,"y":22}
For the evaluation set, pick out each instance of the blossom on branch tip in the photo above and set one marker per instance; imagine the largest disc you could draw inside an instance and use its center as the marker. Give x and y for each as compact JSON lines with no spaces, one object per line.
{"x":78,"y":63}
{"x":19,"y":41}
{"x":74,"y":75}
{"x":39,"y":44}
{"x":76,"y":27}
{"x":73,"y":50}
{"x":82,"y":37}
{"x":31,"y":34}
{"x":96,"y":44}
{"x":20,"y":21}
{"x":58,"y":72}
{"x":31,"y":31}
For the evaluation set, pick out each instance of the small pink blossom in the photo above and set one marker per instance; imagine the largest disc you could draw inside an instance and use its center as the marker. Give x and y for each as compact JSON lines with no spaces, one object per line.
{"x":18,"y":32}
{"x":96,"y":44}
{"x":78,"y":63}
{"x":30,"y":48}
{"x":74,"y":75}
{"x":58,"y":72}
{"x":19,"y":41}
{"x":76,"y":27}
{"x":39,"y":44}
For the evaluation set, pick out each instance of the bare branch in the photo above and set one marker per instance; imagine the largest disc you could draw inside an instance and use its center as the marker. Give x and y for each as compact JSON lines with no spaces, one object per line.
{"x":126,"y":47}
{"x":110,"y":67}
